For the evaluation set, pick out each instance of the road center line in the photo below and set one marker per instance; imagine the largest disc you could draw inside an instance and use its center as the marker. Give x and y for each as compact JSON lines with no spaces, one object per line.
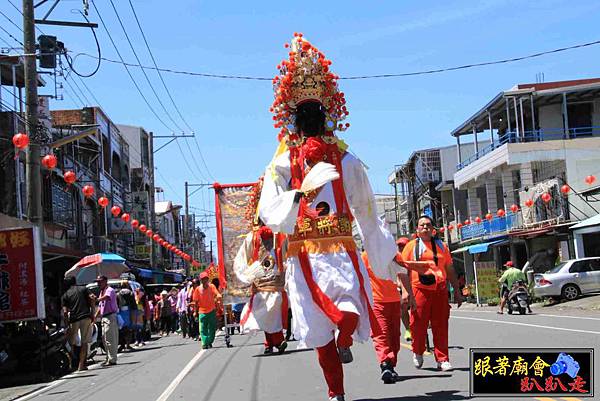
{"x":534,"y":314}
{"x":526,"y":324}
{"x":184,"y":372}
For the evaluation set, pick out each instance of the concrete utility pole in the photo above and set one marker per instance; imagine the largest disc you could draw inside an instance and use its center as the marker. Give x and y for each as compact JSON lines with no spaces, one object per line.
{"x":186,"y":223}
{"x":34,"y":174}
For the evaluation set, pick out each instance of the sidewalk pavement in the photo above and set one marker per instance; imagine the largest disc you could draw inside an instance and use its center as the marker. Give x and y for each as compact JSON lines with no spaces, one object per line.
{"x":584,"y":303}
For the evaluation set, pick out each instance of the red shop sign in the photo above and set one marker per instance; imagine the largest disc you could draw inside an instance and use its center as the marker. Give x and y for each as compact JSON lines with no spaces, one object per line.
{"x":21,"y":284}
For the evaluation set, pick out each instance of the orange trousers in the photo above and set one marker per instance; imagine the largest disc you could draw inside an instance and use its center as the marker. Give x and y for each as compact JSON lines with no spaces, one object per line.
{"x":387,"y":343}
{"x":432,"y":306}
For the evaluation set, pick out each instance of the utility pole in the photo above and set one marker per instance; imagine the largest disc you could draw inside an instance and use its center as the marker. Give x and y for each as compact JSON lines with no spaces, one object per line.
{"x":211,"y":252}
{"x":34,"y":179}
{"x":186,"y":223}
{"x":151,"y":195}
{"x":396,"y":206}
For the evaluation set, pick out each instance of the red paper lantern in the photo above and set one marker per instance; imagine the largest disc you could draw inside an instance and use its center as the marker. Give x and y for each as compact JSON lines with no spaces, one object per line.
{"x":590,"y":179}
{"x":529,"y":203}
{"x":115,"y":210}
{"x":565,"y":189}
{"x":442,"y":229}
{"x":161,"y":242}
{"x":489,"y":217}
{"x":467,"y":222}
{"x":135,"y":223}
{"x":143,"y":228}
{"x":459,"y":225}
{"x":477,"y":219}
{"x":88,"y":191}
{"x":156,"y":237}
{"x":103,"y":202}
{"x":501,"y":213}
{"x":69,"y":177}
{"x":149,"y":233}
{"x":514,"y":208}
{"x":450,"y":227}
{"x":546,"y":197}
{"x":21,"y":141}
{"x":187,"y":257}
{"x":49,"y":161}
{"x":125,"y":217}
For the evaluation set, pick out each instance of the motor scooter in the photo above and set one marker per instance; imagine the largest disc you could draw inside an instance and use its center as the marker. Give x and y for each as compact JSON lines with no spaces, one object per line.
{"x":518,"y":298}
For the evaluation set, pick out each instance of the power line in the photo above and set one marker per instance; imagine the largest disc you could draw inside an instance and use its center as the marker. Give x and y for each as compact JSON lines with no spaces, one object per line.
{"x":169,"y":92}
{"x":157,"y":69}
{"x":169,"y":185}
{"x":186,"y":161}
{"x":12,"y":37}
{"x":142,"y":68}
{"x":127,"y":69}
{"x":405,"y":74}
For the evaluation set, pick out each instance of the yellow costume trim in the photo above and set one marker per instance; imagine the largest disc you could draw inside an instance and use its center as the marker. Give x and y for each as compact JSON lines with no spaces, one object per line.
{"x":325,"y":245}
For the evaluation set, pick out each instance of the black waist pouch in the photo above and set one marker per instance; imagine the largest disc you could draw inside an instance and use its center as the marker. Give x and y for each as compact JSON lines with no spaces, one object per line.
{"x":427,"y":279}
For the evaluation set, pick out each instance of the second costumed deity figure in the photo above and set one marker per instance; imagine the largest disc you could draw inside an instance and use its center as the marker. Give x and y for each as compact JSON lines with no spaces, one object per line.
{"x":259,"y":263}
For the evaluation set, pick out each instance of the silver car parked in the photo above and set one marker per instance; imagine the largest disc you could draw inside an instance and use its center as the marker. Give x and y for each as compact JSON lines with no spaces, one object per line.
{"x":569,"y":279}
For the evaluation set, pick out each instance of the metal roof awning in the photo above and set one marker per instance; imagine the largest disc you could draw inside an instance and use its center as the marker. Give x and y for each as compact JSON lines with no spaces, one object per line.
{"x":592,"y":221}
{"x":481,"y":247}
{"x":462,"y":249}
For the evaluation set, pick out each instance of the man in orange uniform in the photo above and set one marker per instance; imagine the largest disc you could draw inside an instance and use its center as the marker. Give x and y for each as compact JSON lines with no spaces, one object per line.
{"x":203,"y":299}
{"x":431,"y":293}
{"x":387,"y":306}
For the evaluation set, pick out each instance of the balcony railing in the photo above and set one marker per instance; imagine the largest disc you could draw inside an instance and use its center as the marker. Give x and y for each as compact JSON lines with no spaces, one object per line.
{"x":497,"y":226}
{"x":540,"y":135}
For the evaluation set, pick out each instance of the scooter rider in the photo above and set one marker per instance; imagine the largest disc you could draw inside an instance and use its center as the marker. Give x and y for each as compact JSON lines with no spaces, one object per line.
{"x":509,"y":277}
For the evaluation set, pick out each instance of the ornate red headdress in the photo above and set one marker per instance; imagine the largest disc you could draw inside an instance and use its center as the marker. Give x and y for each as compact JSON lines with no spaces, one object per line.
{"x":303,"y":77}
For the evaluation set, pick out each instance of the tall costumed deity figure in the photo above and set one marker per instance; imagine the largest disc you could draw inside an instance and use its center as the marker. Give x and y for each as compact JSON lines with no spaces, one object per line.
{"x":313,"y":191}
{"x":259,"y":264}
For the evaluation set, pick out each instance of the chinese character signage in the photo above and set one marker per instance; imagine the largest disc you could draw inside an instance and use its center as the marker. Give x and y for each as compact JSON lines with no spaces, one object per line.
{"x":21,"y":286}
{"x":486,"y":280}
{"x":531,"y":372}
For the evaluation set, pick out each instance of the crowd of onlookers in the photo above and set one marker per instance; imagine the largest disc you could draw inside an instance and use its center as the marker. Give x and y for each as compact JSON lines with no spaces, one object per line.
{"x":128,"y":314}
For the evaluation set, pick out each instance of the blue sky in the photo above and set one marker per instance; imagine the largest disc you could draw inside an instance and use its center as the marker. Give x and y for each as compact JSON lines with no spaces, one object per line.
{"x":390,"y":117}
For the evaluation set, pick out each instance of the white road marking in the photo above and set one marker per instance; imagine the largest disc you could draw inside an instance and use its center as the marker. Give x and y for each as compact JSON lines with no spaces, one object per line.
{"x":535,"y":314}
{"x":526,"y":324}
{"x":57,"y":382}
{"x":42,"y":390}
{"x":184,"y":372}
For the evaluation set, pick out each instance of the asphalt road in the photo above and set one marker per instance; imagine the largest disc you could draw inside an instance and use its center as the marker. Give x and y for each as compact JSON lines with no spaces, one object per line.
{"x":173,"y":368}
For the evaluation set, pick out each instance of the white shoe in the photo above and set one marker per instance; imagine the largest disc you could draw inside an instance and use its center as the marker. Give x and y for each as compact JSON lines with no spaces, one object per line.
{"x":418,"y":361}
{"x":337,"y":398}
{"x":444,"y":366}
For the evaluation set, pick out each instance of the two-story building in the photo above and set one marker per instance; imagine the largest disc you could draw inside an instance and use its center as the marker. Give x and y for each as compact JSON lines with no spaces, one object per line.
{"x":539,"y":138}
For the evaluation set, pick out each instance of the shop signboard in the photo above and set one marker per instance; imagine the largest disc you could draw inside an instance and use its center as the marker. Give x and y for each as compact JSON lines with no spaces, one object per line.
{"x":486,"y":281}
{"x":21,"y":281}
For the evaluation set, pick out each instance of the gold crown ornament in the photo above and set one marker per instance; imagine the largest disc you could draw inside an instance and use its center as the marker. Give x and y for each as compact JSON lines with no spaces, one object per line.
{"x":305,"y":76}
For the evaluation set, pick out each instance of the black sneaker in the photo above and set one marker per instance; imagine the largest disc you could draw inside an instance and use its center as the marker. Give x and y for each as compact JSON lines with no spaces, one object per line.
{"x":282,"y":347}
{"x":387,"y":373}
{"x":345,"y":354}
{"x":268,"y":351}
